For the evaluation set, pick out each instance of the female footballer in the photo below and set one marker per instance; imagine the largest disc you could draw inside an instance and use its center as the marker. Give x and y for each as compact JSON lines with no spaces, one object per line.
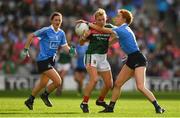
{"x":136,"y":61}
{"x":50,"y":38}
{"x":96,"y":61}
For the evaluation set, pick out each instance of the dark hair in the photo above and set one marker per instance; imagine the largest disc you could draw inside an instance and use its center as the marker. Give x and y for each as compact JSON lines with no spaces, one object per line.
{"x":126,"y":15}
{"x":55,"y":14}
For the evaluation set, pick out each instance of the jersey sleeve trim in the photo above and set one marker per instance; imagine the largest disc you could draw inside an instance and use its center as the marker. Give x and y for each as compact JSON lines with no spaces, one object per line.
{"x":39,"y":32}
{"x":115,"y":32}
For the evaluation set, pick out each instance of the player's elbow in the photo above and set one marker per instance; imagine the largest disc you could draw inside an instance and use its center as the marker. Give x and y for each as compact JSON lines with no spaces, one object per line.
{"x":30,"y":36}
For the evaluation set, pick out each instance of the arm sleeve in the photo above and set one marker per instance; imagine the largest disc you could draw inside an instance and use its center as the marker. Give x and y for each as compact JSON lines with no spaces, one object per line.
{"x":110,"y":26}
{"x":40,"y":32}
{"x":115,"y":30}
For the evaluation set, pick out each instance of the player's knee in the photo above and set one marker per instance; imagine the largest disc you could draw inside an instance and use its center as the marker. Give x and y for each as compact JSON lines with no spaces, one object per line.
{"x":117,"y":84}
{"x":93,"y":81}
{"x":140,"y":87}
{"x":57,"y":83}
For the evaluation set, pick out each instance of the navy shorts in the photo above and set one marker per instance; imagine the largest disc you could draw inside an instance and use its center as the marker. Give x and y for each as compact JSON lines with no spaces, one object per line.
{"x":45,"y":64}
{"x":81,"y":70}
{"x":136,"y":59}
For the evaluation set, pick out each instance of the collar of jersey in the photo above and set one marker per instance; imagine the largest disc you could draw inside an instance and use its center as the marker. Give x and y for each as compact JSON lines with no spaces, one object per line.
{"x":54,"y":29}
{"x":124,"y":24}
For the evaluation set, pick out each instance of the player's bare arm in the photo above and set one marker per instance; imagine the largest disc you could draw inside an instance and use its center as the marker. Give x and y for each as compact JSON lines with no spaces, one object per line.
{"x":25,"y":53}
{"x":71,"y":50}
{"x":96,"y":27}
{"x":66,"y":48}
{"x":100,"y":29}
{"x":29,"y":40}
{"x":84,"y":37}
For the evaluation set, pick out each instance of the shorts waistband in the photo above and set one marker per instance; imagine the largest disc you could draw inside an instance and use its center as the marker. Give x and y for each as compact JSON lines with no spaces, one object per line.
{"x":134,"y":53}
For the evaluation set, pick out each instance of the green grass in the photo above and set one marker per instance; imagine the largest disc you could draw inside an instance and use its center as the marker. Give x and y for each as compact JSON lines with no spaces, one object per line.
{"x":131,"y":104}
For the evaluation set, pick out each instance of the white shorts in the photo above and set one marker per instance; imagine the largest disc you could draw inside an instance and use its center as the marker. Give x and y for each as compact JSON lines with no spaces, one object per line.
{"x":64,"y":67}
{"x":97,"y":60}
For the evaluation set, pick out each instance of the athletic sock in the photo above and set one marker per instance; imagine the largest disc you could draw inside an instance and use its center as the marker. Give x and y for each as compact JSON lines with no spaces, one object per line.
{"x":46,"y":93}
{"x":101,"y":98}
{"x":31,"y":97}
{"x":155,"y":103}
{"x":85,"y":99}
{"x":112,"y":104}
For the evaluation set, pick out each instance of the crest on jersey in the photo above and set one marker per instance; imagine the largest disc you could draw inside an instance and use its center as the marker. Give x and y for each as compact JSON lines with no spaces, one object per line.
{"x":54,"y":44}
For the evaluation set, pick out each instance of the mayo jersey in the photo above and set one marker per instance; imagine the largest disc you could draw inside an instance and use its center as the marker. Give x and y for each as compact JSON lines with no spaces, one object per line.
{"x":49,"y":41}
{"x":99,"y":41}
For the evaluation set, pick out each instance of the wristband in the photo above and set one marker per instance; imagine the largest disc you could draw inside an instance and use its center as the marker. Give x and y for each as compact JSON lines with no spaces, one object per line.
{"x":72,"y":51}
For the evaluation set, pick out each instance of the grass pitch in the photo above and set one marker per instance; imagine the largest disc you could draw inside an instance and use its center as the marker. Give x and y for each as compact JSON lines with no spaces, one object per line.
{"x":131,"y":104}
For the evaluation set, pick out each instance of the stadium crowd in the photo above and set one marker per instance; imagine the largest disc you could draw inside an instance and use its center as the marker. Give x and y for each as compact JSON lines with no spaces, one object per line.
{"x":156,"y":35}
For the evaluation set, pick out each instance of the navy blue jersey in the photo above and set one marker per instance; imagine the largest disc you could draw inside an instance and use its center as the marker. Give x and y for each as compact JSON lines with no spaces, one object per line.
{"x":49,"y":42}
{"x":126,"y":38}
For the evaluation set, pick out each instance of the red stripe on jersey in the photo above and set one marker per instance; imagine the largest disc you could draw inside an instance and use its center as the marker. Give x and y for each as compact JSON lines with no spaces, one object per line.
{"x":93,"y":31}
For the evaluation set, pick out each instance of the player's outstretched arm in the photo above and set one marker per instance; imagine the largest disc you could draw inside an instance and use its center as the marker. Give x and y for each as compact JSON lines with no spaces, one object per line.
{"x":29,"y":40}
{"x":93,"y":26}
{"x":101,"y":29}
{"x":25,"y":52}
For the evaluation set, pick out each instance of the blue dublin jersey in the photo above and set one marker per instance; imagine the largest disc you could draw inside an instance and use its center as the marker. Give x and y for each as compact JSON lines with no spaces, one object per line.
{"x":49,"y":42}
{"x":126,"y":38}
{"x":81,"y":50}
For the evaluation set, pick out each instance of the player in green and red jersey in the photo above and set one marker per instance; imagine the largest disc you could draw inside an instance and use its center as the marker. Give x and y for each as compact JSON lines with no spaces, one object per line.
{"x":96,"y":60}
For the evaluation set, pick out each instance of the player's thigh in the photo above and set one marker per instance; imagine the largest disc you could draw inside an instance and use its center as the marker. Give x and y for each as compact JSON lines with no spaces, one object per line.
{"x":53,"y":75}
{"x":125,"y":74}
{"x":92,"y":71}
{"x":140,"y":73}
{"x":44,"y":79}
{"x":107,"y":77}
